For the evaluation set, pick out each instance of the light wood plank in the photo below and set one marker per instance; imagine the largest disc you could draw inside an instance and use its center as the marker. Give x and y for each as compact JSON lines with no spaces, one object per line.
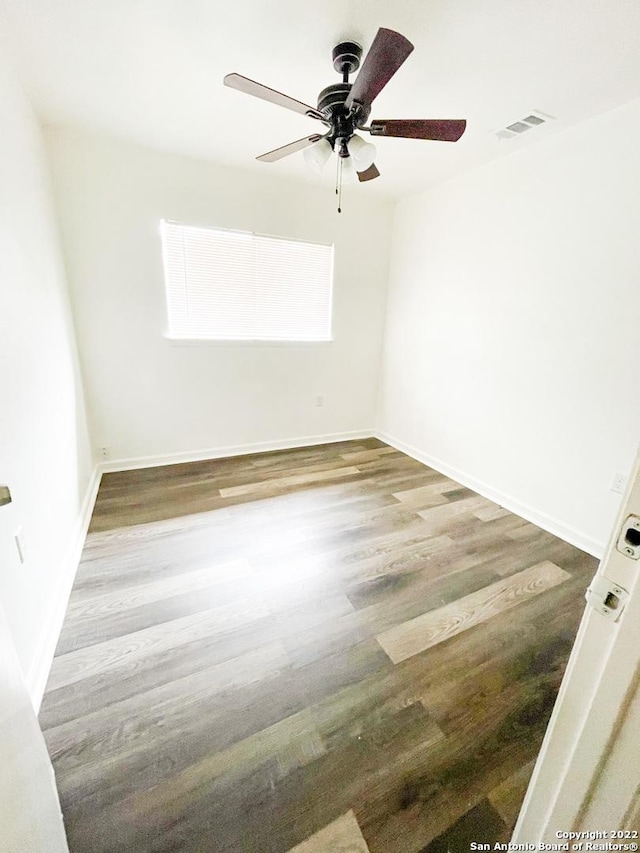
{"x":443,"y":515}
{"x":100,"y":658}
{"x":492,"y":513}
{"x":341,"y":836}
{"x":368,"y":455}
{"x":414,"y":496}
{"x":270,"y":486}
{"x":85,"y":604}
{"x":153,"y":530}
{"x":429,"y":629}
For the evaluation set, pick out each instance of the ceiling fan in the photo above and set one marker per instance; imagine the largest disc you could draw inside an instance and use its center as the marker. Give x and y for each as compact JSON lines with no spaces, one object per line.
{"x":345,"y":107}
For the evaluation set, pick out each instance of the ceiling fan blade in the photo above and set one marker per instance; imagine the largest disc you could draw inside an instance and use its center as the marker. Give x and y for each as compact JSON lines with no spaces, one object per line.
{"x":291,"y":148}
{"x":386,"y":54}
{"x":442,"y":130}
{"x":369,"y":174}
{"x":250,"y":87}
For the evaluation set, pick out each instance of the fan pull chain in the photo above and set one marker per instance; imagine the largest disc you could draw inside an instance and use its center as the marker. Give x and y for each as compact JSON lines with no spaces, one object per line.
{"x":339,"y":185}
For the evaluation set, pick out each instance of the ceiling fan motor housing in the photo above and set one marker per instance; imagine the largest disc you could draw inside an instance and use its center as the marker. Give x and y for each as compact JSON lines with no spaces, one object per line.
{"x":332,"y":98}
{"x":343,"y":121}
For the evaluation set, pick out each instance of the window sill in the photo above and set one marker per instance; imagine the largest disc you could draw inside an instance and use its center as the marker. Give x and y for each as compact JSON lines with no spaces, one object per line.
{"x":218,"y":342}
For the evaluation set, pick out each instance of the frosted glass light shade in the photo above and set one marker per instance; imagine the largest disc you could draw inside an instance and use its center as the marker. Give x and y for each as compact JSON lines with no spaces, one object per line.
{"x":317,"y":155}
{"x":349,"y":171}
{"x":363,"y":153}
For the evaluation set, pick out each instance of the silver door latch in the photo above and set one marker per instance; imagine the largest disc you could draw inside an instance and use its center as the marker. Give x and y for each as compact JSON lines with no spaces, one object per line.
{"x":607,"y":597}
{"x":5,"y":495}
{"x":629,"y":540}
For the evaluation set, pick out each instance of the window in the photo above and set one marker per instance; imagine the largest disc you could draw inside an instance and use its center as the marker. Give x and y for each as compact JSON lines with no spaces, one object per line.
{"x":235,"y":285}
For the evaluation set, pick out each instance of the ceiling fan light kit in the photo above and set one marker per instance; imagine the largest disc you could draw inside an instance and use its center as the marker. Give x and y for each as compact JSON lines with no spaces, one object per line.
{"x":344,"y":108}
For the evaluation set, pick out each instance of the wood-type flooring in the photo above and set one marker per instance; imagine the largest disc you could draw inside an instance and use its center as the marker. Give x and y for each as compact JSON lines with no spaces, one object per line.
{"x":331,"y":648}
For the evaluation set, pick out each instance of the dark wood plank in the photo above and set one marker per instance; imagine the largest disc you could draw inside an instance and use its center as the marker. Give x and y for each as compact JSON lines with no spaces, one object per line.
{"x":481,"y":825}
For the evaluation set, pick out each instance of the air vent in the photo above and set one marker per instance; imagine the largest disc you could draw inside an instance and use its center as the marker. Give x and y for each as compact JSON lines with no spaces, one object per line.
{"x":534,"y":120}
{"x":522,"y":125}
{"x":519,"y":127}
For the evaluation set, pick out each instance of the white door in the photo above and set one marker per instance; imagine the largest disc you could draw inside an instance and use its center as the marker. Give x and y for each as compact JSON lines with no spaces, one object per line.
{"x":587,"y":777}
{"x":30,"y":817}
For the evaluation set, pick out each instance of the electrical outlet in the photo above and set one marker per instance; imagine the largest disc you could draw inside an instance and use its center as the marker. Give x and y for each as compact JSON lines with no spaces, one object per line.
{"x":19,"y":540}
{"x":319,"y":401}
{"x":104,"y":452}
{"x":619,"y":483}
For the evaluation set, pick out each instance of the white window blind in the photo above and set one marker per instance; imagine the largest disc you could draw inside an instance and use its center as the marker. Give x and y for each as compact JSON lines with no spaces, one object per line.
{"x":235,"y":285}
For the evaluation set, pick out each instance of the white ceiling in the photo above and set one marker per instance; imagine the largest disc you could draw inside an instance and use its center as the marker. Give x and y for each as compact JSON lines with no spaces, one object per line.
{"x":151,"y":71}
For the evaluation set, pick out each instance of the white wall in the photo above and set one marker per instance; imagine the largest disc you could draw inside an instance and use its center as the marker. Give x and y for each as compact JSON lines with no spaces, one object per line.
{"x":44,"y":448}
{"x":30,"y":814}
{"x":150,"y":397}
{"x":513,"y":334}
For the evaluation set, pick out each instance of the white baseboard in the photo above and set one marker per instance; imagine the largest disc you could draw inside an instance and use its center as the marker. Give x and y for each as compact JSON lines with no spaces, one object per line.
{"x":223,"y":452}
{"x":38,"y":673}
{"x":546,"y":522}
